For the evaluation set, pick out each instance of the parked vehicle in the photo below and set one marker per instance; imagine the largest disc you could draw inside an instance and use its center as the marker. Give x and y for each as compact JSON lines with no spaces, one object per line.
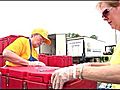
{"x":85,"y":49}
{"x":109,"y":49}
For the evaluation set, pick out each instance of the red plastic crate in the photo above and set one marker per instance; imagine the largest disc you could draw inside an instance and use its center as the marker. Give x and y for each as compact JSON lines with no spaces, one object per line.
{"x":66,"y":61}
{"x":2,"y":61}
{"x":37,"y":78}
{"x":70,"y":61}
{"x":52,"y":61}
{"x":43,"y":58}
{"x":56,"y":61}
{"x":59,"y":61}
{"x":3,"y":44}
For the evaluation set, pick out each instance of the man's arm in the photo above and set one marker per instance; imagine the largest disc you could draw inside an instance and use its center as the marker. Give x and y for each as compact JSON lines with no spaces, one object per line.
{"x":14,"y":58}
{"x":107,"y":73}
{"x":110,"y":73}
{"x":97,"y":64}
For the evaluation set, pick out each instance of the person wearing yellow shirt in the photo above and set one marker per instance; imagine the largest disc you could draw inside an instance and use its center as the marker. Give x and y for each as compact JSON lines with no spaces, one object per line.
{"x":22,"y":51}
{"x":108,"y":72}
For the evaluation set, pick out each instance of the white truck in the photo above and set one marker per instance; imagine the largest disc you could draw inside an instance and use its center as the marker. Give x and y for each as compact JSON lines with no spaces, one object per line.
{"x":85,"y":49}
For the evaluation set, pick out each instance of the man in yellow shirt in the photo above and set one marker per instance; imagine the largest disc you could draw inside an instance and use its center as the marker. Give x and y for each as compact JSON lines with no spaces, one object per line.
{"x":22,"y":51}
{"x":102,"y":72}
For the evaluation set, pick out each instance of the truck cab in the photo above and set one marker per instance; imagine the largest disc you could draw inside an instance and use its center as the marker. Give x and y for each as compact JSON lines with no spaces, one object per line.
{"x":109,"y":49}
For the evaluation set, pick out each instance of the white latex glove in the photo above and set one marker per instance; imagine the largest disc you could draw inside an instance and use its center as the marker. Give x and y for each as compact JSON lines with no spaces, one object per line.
{"x":36,"y":63}
{"x":62,"y":75}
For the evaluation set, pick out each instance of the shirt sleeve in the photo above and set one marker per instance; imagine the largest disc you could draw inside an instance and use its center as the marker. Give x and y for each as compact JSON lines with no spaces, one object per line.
{"x":16,"y":46}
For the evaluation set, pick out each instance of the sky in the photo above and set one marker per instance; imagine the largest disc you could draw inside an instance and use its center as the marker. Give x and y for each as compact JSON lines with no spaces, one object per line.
{"x":82,"y":17}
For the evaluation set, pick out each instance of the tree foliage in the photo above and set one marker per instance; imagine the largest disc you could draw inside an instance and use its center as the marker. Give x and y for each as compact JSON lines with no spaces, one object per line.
{"x":73,"y":35}
{"x":94,"y":37}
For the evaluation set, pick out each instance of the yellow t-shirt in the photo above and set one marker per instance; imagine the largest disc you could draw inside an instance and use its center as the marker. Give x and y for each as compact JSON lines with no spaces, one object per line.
{"x":115,"y":59}
{"x":21,"y":47}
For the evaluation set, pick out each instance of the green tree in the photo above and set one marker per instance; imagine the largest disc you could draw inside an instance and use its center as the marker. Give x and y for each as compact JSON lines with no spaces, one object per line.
{"x":73,"y":35}
{"x":94,"y":37}
{"x":69,"y":35}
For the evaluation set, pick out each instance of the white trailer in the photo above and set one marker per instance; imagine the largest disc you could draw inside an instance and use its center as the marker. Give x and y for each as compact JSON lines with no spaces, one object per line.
{"x":84,"y":48}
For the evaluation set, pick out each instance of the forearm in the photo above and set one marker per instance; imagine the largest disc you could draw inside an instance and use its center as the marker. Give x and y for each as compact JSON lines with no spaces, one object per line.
{"x":16,"y":61}
{"x":109,"y":74}
{"x":100,"y":64}
{"x":14,"y":58}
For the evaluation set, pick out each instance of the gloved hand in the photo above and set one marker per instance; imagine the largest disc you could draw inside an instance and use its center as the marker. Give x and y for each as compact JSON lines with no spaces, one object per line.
{"x":36,"y":63}
{"x":62,"y":75}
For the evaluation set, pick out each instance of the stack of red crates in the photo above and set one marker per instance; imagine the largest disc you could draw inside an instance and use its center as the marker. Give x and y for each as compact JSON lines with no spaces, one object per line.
{"x":37,"y":78}
{"x":3,"y":43}
{"x":57,"y":61}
